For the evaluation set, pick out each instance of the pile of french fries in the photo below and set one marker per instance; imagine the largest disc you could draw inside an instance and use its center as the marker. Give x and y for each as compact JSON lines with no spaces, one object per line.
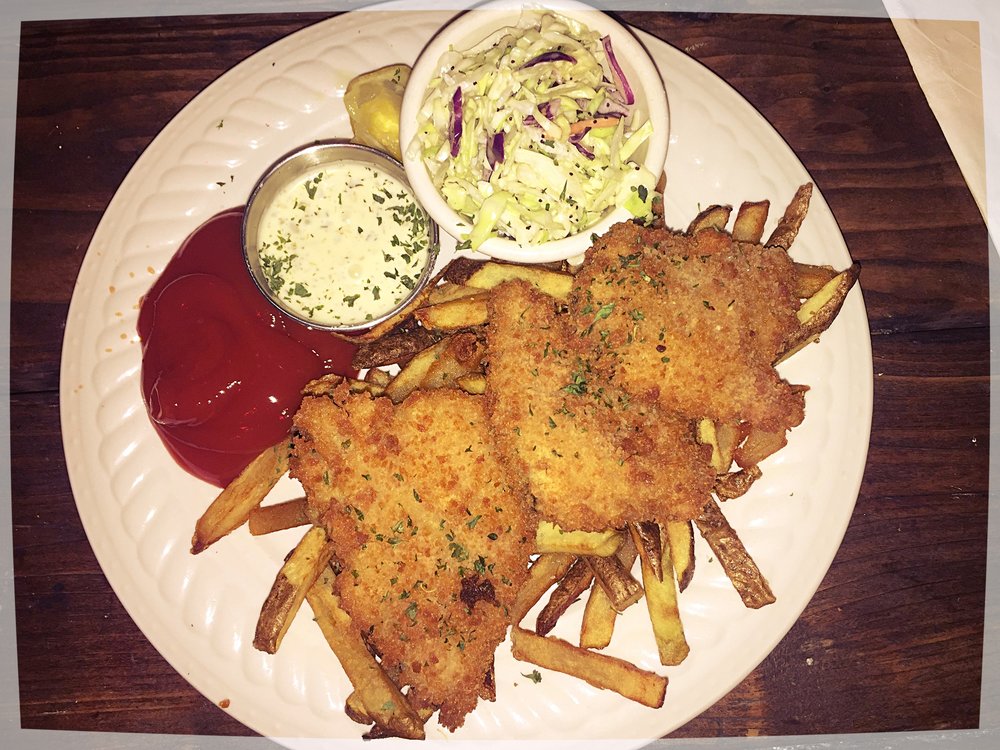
{"x":439,"y":343}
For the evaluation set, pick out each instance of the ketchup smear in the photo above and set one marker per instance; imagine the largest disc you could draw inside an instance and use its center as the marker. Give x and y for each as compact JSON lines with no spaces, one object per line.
{"x":222,"y":369}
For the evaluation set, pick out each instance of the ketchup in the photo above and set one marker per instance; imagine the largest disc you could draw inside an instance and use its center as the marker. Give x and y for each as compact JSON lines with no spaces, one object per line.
{"x":222,"y":369}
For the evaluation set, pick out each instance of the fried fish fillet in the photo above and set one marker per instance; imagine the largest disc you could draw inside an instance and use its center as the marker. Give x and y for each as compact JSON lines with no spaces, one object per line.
{"x":432,"y":533}
{"x":593,"y":455}
{"x":692,"y":322}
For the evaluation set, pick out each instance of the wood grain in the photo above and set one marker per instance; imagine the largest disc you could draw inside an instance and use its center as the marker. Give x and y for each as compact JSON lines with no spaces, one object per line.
{"x":893,"y":638}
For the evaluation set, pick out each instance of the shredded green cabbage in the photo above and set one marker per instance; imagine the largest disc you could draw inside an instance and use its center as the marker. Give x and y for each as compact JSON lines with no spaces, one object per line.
{"x":567,"y":134}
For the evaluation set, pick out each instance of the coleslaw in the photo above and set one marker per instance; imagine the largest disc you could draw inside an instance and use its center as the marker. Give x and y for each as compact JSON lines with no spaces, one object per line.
{"x":530,"y":134}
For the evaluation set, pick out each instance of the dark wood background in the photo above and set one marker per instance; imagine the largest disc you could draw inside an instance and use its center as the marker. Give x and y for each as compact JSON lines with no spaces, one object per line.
{"x":892,"y":640}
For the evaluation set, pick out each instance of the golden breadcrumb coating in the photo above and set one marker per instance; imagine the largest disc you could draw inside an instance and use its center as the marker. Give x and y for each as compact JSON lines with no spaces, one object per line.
{"x":432,"y":534}
{"x":594,"y":456}
{"x":693,"y":323}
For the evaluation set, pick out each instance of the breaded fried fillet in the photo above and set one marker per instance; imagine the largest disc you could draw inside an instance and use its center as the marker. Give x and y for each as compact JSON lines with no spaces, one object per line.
{"x":593,"y":455}
{"x":692,"y":322}
{"x":432,"y":534}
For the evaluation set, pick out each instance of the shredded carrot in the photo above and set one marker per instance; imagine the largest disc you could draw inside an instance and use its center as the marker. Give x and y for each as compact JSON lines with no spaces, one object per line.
{"x":582,"y":126}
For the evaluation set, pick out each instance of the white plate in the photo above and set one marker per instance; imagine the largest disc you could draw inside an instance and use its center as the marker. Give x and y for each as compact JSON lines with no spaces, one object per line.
{"x":138,"y":507}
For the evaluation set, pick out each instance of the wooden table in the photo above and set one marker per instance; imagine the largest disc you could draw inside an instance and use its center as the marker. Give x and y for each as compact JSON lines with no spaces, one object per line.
{"x":893,"y":638}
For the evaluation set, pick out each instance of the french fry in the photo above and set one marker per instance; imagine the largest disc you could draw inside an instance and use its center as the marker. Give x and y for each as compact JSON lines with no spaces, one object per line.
{"x":554,"y":283}
{"x":724,"y":438}
{"x":727,"y":437}
{"x":572,"y":585}
{"x":299,"y":571}
{"x":646,"y":537}
{"x":395,"y":348}
{"x":736,"y":483}
{"x":748,"y":226}
{"x":827,"y":301}
{"x":448,"y":292}
{"x":454,"y":315}
{"x":474,"y":383}
{"x":622,"y":589}
{"x":380,"y":732}
{"x":462,"y":355}
{"x":740,"y":568}
{"x":661,"y":600}
{"x":326,"y":385}
{"x":376,"y":694}
{"x":713,"y":217}
{"x":599,"y":617}
{"x":355,"y":709}
{"x":707,"y":436}
{"x":551,"y":538}
{"x":266,"y":519}
{"x":391,"y":323}
{"x":544,"y":571}
{"x":232,"y":506}
{"x":810,"y":279}
{"x":378,"y":378}
{"x":680,"y":534}
{"x":819,"y":311}
{"x":600,"y":670}
{"x":787,"y":230}
{"x":758,"y":445}
{"x":412,"y":374}
{"x":460,"y":269}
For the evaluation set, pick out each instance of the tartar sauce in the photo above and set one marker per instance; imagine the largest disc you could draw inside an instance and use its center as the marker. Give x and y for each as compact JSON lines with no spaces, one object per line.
{"x":344,"y":245}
